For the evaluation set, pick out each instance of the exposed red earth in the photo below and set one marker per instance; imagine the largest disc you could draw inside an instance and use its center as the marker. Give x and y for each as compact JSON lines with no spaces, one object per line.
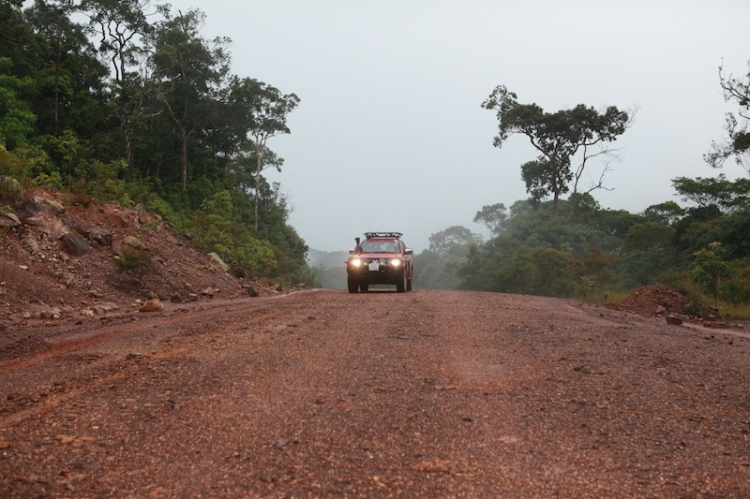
{"x":425,"y":394}
{"x":330,"y":394}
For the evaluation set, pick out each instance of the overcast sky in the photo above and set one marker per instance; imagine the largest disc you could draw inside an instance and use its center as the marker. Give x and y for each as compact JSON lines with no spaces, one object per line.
{"x":390,"y":135}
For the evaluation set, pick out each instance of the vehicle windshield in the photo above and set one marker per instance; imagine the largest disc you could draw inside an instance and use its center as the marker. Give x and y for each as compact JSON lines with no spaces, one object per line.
{"x":379,"y":247}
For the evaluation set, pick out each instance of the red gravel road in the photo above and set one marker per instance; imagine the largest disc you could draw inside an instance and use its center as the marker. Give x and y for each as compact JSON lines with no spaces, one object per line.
{"x":421,"y":394}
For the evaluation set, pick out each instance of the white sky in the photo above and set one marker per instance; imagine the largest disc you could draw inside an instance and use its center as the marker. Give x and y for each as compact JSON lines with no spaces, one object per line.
{"x":390,"y":135}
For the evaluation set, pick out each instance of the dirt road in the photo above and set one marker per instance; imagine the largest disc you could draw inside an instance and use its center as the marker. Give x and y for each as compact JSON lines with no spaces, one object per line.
{"x":422,"y":394}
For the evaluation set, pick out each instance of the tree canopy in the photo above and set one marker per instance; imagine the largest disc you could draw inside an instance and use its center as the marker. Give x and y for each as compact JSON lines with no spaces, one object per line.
{"x":737,"y":144}
{"x":558,"y":137}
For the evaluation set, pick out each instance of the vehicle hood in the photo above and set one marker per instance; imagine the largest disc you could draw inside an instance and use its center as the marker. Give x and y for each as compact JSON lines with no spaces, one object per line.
{"x":373,"y":256}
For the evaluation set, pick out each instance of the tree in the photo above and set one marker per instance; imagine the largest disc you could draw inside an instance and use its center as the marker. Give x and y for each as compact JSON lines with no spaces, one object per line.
{"x":648,"y":251}
{"x":492,"y":216}
{"x":665,"y":213}
{"x":16,"y":116}
{"x":738,"y":141}
{"x":555,"y":271}
{"x":66,"y":41}
{"x":723,"y":194}
{"x":14,"y":32}
{"x":188,"y":72}
{"x":558,"y":137}
{"x":709,"y":268}
{"x":265,"y":110}
{"x":441,"y":242}
{"x":119,"y":24}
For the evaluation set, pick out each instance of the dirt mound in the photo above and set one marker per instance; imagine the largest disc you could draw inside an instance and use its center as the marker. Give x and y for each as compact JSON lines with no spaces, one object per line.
{"x":59,"y":259}
{"x":655,"y":300}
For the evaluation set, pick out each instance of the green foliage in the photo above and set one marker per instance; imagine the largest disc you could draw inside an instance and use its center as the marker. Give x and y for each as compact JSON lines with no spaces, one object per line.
{"x":555,"y":272}
{"x":14,"y":173}
{"x":572,"y":246}
{"x":664,"y":213}
{"x":597,"y":273}
{"x":174,"y":131}
{"x":719,"y":192}
{"x":10,"y":188}
{"x":709,"y":268}
{"x":737,"y":145}
{"x":136,"y":263}
{"x":16,"y":116}
{"x":732,"y":231}
{"x":735,"y":287}
{"x":433,"y":271}
{"x":647,"y":251}
{"x":456,"y":236}
{"x":156,"y":204}
{"x":493,"y":217}
{"x":53,"y":180}
{"x":557,"y":137}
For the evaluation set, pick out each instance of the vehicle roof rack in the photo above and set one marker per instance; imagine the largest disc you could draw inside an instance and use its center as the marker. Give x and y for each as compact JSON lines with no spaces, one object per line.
{"x":370,"y":235}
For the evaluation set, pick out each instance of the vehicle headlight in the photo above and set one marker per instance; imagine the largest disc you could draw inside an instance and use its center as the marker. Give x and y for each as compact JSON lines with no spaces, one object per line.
{"x":396,"y":262}
{"x":355,"y":262}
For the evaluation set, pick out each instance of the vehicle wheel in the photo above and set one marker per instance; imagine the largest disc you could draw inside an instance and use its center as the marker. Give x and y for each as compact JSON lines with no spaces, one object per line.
{"x":353,"y":285}
{"x":409,"y":281}
{"x":401,"y":284}
{"x":364,"y":288}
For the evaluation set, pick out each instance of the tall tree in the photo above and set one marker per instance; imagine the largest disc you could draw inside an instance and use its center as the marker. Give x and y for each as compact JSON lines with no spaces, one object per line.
{"x":14,"y":32}
{"x":188,"y":72}
{"x":441,"y":242}
{"x":52,"y":21}
{"x":120,"y":26}
{"x":265,"y":110}
{"x":558,"y":137}
{"x":720,"y":193}
{"x":492,"y":216}
{"x":665,"y":213}
{"x":16,"y":116}
{"x":735,"y":90}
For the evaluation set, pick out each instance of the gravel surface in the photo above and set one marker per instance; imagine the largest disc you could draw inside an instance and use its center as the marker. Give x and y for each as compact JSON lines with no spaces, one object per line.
{"x":420,"y":394}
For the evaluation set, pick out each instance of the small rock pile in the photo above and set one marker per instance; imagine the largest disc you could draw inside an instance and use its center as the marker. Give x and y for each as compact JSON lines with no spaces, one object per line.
{"x":655,"y":300}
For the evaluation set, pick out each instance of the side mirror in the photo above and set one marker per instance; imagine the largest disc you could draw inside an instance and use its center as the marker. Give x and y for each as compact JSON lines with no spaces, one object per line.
{"x":351,"y":252}
{"x":408,"y":251}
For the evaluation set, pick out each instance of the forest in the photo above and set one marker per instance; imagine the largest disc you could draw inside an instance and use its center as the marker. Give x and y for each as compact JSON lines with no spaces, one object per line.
{"x":561,"y":242}
{"x":127,"y":102}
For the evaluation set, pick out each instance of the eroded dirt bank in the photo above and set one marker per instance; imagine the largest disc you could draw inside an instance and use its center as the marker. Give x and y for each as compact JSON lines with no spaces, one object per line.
{"x":422,"y":394}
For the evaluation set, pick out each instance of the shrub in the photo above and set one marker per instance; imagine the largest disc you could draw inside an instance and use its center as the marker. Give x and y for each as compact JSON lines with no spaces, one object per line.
{"x":10,"y":188}
{"x":137,"y":263}
{"x":697,"y":306}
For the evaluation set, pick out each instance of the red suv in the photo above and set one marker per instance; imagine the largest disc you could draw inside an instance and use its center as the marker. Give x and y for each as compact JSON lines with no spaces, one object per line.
{"x":382,"y":258}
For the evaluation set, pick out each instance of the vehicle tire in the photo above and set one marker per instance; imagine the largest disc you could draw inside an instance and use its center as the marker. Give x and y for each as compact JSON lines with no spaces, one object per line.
{"x":409,"y":281}
{"x":353,"y":285}
{"x":364,"y":287}
{"x":401,"y":284}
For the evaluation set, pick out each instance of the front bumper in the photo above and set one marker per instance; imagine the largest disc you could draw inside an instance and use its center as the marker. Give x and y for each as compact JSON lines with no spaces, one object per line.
{"x":376,"y":271}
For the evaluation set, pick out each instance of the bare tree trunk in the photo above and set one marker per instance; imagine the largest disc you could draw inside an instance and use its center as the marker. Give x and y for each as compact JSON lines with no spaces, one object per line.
{"x":183,"y":158}
{"x":57,"y":87}
{"x":259,"y":168}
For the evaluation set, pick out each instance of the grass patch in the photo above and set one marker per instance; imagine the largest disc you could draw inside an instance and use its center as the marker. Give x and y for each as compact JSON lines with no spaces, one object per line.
{"x":608,"y":297}
{"x":735,"y":311}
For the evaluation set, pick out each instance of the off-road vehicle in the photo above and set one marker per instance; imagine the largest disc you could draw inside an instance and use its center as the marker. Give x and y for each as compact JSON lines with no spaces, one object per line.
{"x":382,"y":258}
